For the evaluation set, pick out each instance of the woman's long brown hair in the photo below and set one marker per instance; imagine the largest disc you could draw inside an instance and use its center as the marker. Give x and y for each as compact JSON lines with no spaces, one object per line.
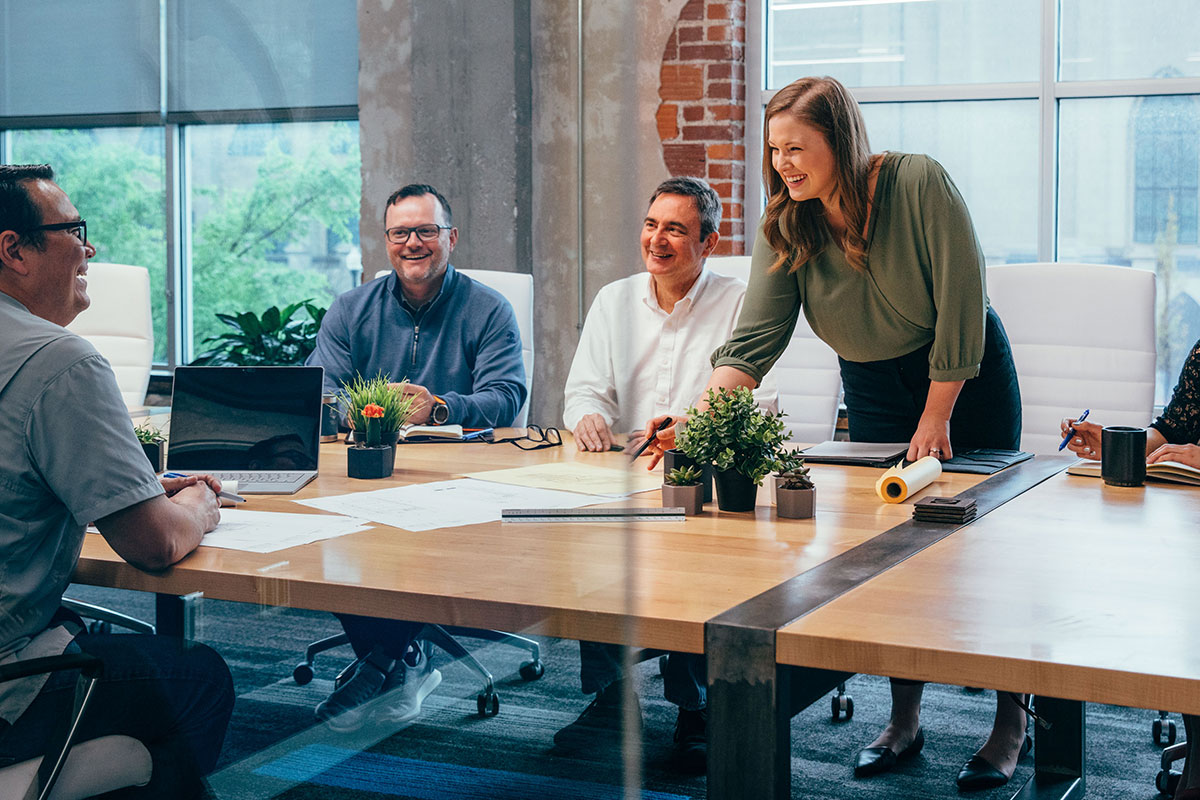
{"x":798,"y":231}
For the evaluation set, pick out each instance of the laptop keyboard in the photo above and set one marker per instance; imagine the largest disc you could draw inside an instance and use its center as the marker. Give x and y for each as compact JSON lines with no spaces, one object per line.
{"x":259,"y":477}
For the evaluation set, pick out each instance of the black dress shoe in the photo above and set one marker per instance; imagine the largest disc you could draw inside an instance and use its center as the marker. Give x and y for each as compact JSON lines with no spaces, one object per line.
{"x":691,"y":741}
{"x":979,"y":774}
{"x":874,"y":760}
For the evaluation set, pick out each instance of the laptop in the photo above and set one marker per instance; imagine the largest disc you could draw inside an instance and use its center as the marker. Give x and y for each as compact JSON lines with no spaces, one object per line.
{"x":259,"y":426}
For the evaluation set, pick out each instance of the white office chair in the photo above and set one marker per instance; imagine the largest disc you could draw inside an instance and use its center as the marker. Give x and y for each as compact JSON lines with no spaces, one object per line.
{"x":119,"y":325}
{"x":517,"y":288}
{"x":79,"y":770}
{"x":1099,"y":353}
{"x":808,"y":376}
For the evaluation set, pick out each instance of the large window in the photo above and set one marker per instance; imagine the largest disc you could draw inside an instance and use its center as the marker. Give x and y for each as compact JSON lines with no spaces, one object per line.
{"x":1071,"y":127}
{"x":236,"y":193}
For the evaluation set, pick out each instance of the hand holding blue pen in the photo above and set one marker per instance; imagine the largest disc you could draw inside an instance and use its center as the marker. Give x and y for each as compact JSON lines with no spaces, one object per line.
{"x":1071,"y":430}
{"x":230,"y":496}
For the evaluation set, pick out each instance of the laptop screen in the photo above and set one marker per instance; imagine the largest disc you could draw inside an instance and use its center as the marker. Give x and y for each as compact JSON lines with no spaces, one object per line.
{"x":245,"y":418}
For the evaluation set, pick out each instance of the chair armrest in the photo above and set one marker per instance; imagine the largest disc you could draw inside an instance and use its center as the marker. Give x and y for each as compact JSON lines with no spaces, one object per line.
{"x":89,"y":665}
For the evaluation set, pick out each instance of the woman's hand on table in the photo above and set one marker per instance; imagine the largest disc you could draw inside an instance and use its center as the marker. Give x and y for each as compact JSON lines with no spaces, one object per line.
{"x":1183,"y":453}
{"x":931,"y":439}
{"x":1086,"y":441}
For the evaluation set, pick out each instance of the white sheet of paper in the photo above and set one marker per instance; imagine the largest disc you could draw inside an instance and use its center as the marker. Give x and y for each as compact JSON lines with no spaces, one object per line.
{"x":572,"y":476}
{"x":445,"y":504}
{"x":267,"y":531}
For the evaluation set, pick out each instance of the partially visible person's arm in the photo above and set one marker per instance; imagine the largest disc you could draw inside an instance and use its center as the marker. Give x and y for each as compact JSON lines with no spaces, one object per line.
{"x":1086,"y":443}
{"x":498,"y":378}
{"x":722,"y":378}
{"x":156,"y":533}
{"x":590,"y":393}
{"x":332,"y":350}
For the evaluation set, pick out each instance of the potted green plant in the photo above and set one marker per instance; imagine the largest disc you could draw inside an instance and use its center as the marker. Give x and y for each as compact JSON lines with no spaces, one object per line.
{"x":739,"y":439}
{"x":371,"y":458}
{"x":682,"y":487}
{"x":675,"y":458}
{"x":276,"y":338}
{"x":795,"y":495}
{"x":359,"y":393}
{"x":154,"y":444}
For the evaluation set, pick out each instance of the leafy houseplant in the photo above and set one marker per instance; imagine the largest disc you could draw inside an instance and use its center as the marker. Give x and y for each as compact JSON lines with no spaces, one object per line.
{"x":795,"y":495}
{"x":276,"y":338}
{"x":154,"y":444}
{"x":739,"y":439}
{"x":682,"y":487}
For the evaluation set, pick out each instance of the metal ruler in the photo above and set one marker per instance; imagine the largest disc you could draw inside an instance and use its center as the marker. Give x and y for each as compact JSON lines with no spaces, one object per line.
{"x":668,"y":514}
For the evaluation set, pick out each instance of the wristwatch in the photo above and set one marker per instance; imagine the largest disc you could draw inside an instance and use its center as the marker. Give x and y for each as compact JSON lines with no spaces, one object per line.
{"x":440,"y":413}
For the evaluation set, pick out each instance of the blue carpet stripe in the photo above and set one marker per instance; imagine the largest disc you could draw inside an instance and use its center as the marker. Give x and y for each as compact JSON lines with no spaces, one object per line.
{"x":425,"y":780}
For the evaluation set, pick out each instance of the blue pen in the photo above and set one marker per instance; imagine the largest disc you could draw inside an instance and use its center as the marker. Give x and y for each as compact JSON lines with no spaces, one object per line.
{"x":1071,"y":430}
{"x":227,"y":495}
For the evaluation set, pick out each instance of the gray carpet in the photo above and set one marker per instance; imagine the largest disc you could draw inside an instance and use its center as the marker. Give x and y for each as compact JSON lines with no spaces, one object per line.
{"x":274,"y":749}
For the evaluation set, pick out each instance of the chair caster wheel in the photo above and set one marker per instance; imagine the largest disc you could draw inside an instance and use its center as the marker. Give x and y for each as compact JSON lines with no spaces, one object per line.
{"x":532,"y":670}
{"x":1167,"y":781}
{"x":1164,"y":736}
{"x":98,"y":626}
{"x":302,"y":674}
{"x":488,"y":705}
{"x":842,"y":707}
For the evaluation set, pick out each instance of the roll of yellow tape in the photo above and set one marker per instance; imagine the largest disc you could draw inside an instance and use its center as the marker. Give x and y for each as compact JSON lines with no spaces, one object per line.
{"x":896,"y":485}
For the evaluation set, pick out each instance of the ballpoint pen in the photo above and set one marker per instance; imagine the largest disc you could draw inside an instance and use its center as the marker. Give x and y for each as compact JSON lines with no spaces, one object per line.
{"x":1071,"y":429}
{"x":642,"y":447}
{"x":230,"y":496}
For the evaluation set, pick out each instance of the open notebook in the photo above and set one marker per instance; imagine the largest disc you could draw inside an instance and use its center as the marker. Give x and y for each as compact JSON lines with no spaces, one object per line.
{"x":1162,"y":471}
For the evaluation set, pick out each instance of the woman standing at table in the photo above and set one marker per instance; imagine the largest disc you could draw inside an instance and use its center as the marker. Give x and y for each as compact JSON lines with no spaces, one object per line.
{"x":1174,"y":436}
{"x":880,"y":253}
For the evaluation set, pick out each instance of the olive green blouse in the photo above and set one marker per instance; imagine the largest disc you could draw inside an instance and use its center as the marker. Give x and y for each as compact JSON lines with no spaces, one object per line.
{"x":924,"y":283}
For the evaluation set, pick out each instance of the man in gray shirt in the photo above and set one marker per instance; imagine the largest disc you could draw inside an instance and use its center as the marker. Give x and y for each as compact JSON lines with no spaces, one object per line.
{"x":68,"y":457}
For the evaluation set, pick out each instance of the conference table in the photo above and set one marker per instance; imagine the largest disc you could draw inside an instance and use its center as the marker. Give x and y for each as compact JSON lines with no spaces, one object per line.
{"x":776,"y":604}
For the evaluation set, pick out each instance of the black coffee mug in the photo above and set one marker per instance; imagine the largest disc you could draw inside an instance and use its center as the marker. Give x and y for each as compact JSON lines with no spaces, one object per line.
{"x":1123,"y":456}
{"x":673,"y":459}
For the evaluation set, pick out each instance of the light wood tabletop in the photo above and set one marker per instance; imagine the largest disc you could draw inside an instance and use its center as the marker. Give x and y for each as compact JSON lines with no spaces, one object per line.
{"x":1072,"y":590}
{"x":650,"y":584}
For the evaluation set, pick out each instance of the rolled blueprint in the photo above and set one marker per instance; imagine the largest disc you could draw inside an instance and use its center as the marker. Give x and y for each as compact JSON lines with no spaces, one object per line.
{"x":895,"y":485}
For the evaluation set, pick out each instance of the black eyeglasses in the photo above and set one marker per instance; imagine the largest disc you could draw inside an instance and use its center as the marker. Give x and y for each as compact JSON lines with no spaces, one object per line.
{"x":77,"y":228}
{"x":534,"y":439}
{"x":426,"y":233}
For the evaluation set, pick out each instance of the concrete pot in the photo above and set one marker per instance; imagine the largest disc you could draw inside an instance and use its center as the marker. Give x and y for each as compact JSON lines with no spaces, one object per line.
{"x":795,"y":503}
{"x":690,"y":497}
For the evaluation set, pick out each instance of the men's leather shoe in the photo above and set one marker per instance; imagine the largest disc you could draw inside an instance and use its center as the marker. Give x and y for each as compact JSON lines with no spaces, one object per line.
{"x":979,"y":774}
{"x":875,"y":760}
{"x":691,"y":740}
{"x":599,"y":726}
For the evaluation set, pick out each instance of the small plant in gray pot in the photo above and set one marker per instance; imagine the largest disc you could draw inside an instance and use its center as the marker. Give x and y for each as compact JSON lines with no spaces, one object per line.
{"x":154,"y":444}
{"x":795,"y":495}
{"x":682,"y":487}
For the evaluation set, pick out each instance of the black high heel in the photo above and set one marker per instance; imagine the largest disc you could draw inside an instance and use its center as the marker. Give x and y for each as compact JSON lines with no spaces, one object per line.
{"x":978,"y":773}
{"x":875,"y":760}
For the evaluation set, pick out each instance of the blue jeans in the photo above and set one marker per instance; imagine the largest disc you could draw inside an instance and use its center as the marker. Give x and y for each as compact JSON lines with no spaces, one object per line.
{"x":685,"y":679}
{"x":392,"y":636}
{"x":172,"y":695}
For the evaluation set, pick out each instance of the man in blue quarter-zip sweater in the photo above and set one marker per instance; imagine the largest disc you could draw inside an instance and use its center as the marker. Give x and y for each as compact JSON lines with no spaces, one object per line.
{"x":457,"y":344}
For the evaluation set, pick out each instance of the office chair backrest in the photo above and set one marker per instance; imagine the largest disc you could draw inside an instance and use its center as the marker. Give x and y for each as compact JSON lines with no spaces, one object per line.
{"x":119,"y":325}
{"x":517,"y":288}
{"x":808,"y":376}
{"x":1097,"y":353}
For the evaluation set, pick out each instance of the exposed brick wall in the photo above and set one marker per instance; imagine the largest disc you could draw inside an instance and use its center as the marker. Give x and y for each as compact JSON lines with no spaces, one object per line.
{"x":701,"y":120}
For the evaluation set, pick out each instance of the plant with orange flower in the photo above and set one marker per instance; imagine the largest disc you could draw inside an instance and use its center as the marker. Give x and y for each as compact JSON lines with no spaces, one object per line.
{"x":394,"y":407}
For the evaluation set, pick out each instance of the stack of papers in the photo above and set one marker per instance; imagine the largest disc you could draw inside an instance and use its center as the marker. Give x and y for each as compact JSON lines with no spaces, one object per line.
{"x":268,"y":531}
{"x":445,"y":504}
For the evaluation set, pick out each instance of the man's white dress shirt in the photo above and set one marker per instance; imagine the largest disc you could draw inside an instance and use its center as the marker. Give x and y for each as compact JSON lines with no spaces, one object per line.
{"x":636,"y":361}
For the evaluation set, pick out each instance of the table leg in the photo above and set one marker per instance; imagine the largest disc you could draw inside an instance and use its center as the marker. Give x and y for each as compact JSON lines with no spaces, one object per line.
{"x":1058,"y":755}
{"x":176,"y":615}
